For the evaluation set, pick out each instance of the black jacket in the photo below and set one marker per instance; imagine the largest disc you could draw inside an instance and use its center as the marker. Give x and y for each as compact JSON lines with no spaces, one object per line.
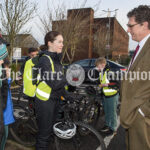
{"x":23,"y":65}
{"x":56,"y":81}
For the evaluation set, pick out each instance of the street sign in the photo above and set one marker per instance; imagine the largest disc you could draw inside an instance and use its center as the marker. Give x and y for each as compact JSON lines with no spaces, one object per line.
{"x":108,"y":46}
{"x":16,"y":53}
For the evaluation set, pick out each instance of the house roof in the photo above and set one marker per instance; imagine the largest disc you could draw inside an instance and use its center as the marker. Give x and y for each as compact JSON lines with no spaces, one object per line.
{"x":24,"y":40}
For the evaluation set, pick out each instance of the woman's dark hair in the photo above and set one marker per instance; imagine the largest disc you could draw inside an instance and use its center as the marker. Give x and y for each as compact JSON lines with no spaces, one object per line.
{"x":42,"y":47}
{"x":141,"y":14}
{"x":50,"y":36}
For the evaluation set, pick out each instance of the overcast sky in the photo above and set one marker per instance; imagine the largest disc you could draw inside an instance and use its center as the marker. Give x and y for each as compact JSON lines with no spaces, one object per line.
{"x":123,"y":6}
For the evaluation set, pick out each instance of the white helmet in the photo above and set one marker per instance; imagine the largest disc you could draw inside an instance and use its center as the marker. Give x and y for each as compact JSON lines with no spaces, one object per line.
{"x":64,"y":130}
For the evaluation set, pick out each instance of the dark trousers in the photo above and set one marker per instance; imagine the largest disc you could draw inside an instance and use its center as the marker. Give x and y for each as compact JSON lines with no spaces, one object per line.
{"x":46,"y":112}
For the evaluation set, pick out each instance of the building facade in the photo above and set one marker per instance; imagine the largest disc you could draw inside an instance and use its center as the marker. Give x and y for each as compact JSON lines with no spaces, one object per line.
{"x":24,"y":41}
{"x":110,"y":38}
{"x":92,"y":37}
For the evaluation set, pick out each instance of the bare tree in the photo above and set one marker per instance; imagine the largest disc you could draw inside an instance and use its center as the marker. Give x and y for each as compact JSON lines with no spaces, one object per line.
{"x":115,"y":43}
{"x":52,"y":13}
{"x":72,"y":28}
{"x":15,"y":14}
{"x":100,"y":41}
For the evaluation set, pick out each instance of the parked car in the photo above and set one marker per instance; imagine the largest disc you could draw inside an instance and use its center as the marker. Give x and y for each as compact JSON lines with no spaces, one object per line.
{"x":89,"y":64}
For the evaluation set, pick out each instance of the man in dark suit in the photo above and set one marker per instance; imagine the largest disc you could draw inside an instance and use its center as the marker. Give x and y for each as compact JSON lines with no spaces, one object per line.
{"x":135,"y":88}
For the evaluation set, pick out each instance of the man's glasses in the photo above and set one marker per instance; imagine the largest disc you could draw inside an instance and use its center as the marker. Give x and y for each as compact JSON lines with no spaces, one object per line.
{"x":131,"y":25}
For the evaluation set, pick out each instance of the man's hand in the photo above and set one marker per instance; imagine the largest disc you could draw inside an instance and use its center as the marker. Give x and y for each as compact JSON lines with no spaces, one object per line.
{"x":8,"y":72}
{"x":103,"y":85}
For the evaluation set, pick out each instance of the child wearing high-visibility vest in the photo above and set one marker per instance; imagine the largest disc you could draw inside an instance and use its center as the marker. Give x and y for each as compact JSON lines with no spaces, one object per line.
{"x":111,"y":95}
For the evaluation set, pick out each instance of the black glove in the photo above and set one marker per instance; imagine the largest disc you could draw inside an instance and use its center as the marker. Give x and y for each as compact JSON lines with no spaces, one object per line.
{"x":68,"y":96}
{"x":61,"y":92}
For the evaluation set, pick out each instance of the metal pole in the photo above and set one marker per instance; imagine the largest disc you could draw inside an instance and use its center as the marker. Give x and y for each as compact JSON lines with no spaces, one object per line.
{"x":108,"y":40}
{"x":108,"y":33}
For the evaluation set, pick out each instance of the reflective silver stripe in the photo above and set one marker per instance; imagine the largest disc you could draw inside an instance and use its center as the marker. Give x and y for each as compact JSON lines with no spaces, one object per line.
{"x":141,"y":112}
{"x":41,"y":93}
{"x":107,"y":81}
{"x":38,"y":77}
{"x":53,"y":70}
{"x":44,"y":82}
{"x":108,"y":90}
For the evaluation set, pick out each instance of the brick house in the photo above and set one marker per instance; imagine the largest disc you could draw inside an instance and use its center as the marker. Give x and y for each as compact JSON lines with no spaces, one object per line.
{"x":24,"y":41}
{"x":117,"y":44}
{"x":109,"y":35}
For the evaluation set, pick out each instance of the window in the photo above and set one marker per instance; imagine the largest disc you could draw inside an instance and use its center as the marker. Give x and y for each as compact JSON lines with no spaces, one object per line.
{"x":114,"y":65}
{"x":84,"y":63}
{"x":93,"y":62}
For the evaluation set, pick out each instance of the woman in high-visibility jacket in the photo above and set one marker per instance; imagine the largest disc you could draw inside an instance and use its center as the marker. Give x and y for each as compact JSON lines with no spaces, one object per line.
{"x":110,"y":92}
{"x":49,"y":89}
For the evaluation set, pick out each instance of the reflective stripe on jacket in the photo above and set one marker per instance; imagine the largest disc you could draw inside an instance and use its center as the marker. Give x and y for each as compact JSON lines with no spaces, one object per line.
{"x":106,"y":90}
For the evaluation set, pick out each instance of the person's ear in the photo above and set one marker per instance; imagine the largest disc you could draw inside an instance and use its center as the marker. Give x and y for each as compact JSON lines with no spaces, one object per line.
{"x":103,"y":65}
{"x":49,"y":44}
{"x":145,"y":24}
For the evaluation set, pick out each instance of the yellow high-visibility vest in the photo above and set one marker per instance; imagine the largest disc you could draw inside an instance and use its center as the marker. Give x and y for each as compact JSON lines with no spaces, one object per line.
{"x":106,"y":90}
{"x":28,"y":87}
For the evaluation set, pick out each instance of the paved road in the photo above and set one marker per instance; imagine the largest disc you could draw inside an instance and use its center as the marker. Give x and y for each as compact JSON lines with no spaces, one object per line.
{"x":118,"y":142}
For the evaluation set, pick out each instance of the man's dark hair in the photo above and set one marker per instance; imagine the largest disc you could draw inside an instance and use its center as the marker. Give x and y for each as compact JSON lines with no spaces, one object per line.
{"x":141,"y":14}
{"x":32,"y":49}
